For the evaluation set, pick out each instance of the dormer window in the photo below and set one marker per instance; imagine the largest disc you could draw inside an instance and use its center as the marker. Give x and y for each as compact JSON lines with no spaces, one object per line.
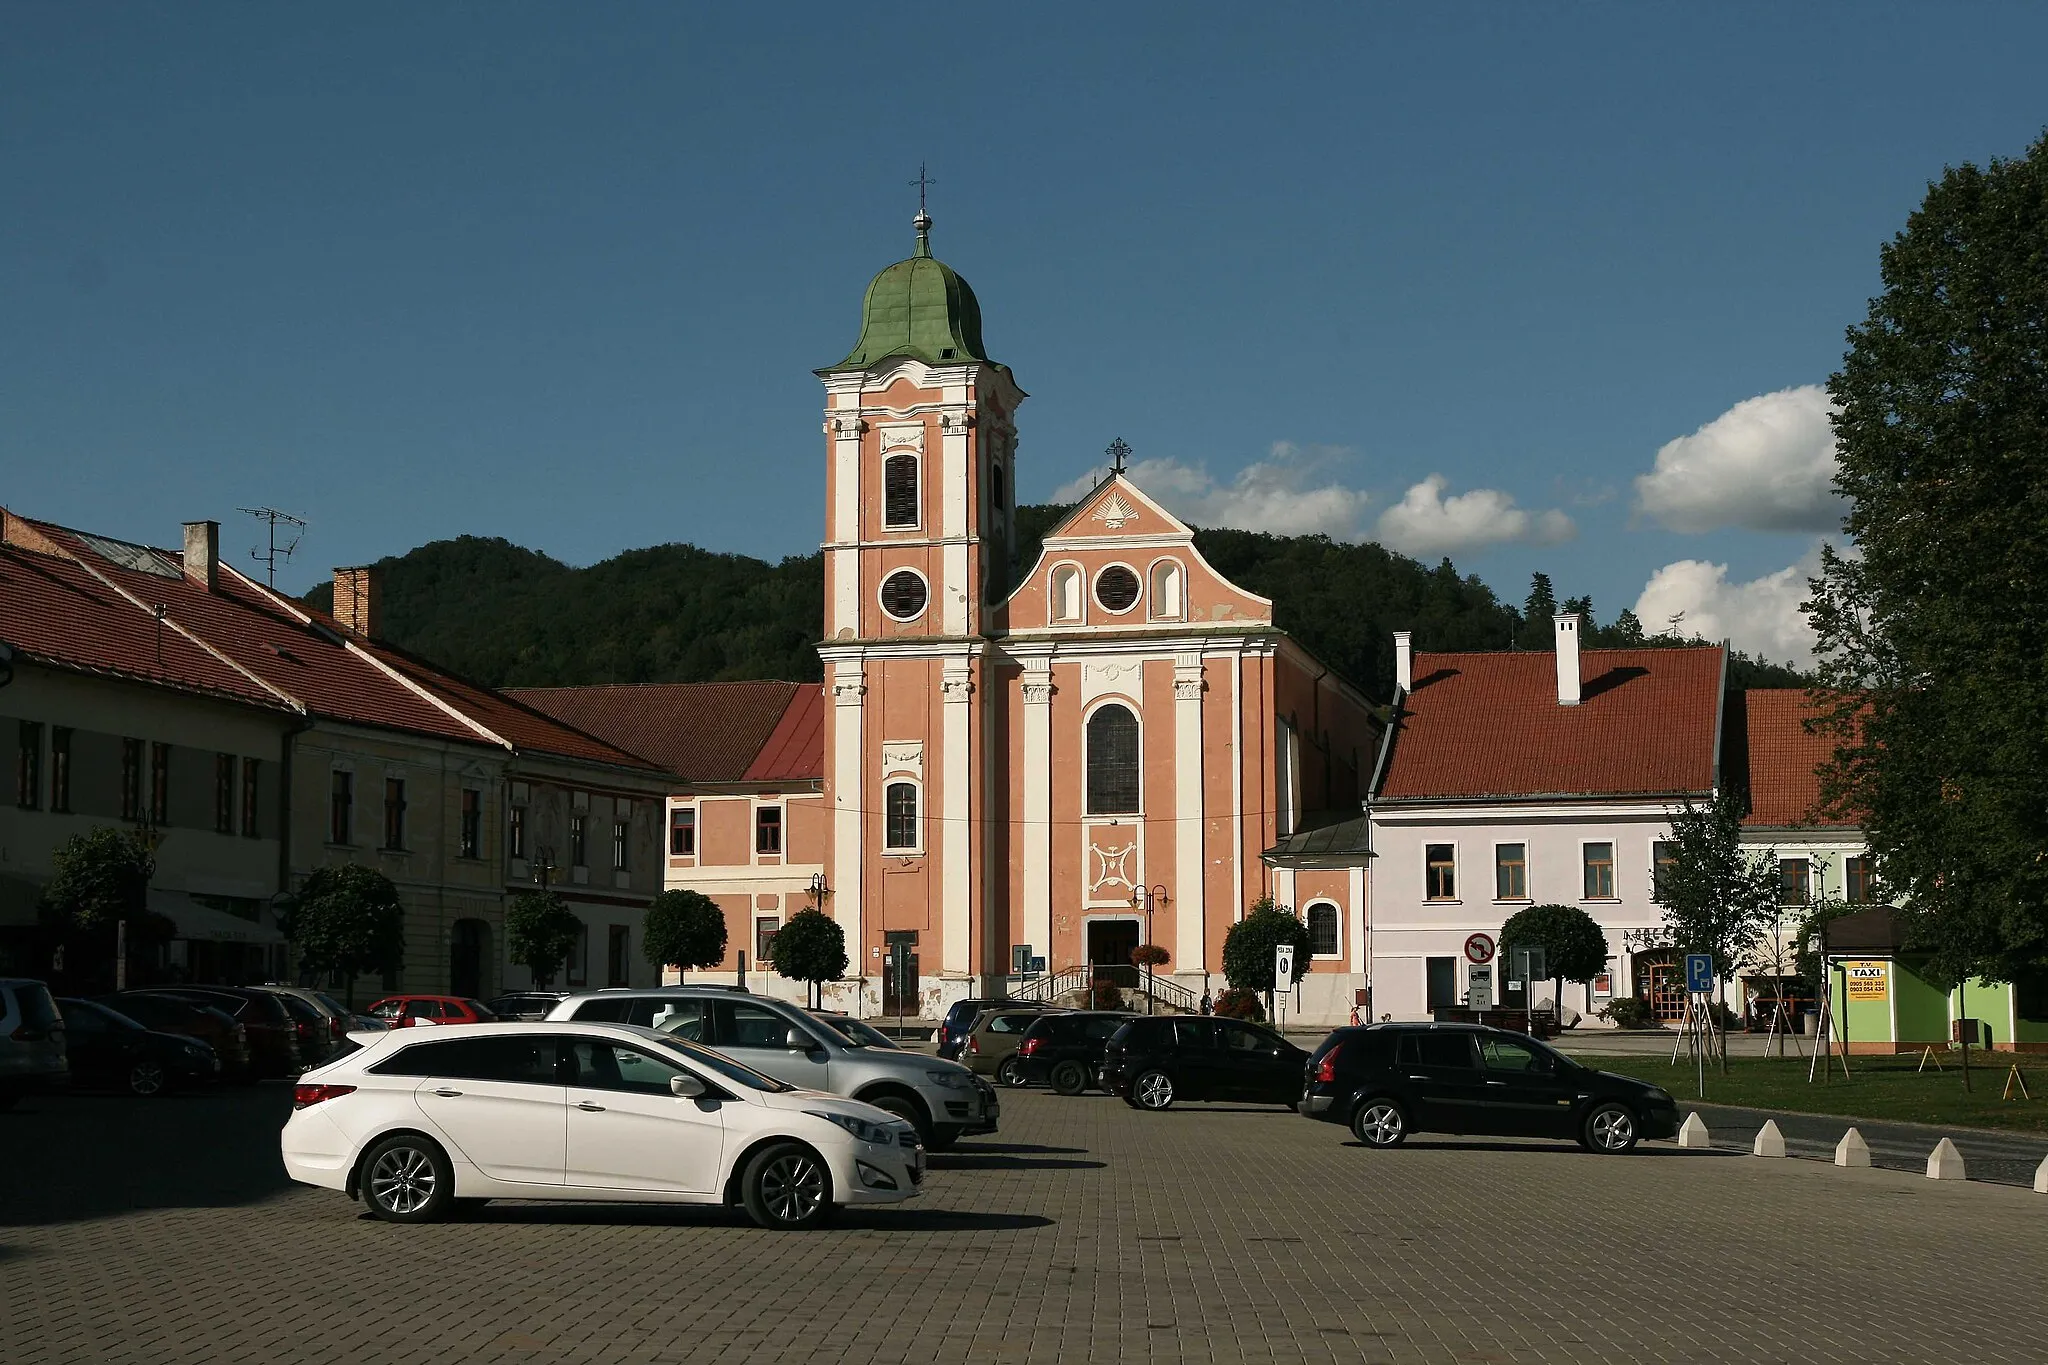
{"x":899,"y":491}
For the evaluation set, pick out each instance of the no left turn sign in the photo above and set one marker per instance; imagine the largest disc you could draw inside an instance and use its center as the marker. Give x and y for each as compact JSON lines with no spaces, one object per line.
{"x":1479,"y":949}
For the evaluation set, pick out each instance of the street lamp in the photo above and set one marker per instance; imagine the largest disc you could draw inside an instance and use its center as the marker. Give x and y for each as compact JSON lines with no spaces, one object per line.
{"x":819,"y":890}
{"x":1148,"y":899}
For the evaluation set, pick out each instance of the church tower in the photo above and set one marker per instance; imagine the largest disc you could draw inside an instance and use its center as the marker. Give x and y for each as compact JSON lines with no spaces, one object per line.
{"x":920,"y":443}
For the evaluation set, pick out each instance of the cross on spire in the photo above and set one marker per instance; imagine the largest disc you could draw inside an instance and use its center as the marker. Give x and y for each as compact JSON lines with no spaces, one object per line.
{"x":1118,"y":452}
{"x":923,"y":182}
{"x":923,"y":221}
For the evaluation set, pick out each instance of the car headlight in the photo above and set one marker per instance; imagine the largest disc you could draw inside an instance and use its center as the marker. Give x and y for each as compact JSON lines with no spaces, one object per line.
{"x":952,"y":1080}
{"x":860,"y":1129}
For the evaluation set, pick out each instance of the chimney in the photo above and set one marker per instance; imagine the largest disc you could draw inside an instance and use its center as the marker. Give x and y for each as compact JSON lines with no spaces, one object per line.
{"x":1567,"y":658}
{"x":356,"y":600}
{"x":202,"y":553}
{"x":1404,"y":661}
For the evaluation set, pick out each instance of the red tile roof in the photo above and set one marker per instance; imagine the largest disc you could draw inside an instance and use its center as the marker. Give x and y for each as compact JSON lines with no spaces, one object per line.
{"x":705,"y":732}
{"x":1784,"y":760}
{"x":796,"y":751}
{"x":1489,"y":725}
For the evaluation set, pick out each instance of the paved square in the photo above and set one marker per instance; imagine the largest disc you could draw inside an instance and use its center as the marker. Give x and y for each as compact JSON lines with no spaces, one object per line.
{"x":165,"y":1231}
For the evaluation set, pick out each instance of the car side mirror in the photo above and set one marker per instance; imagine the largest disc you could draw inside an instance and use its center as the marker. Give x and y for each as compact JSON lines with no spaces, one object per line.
{"x":796,"y":1040}
{"x":686,"y":1087}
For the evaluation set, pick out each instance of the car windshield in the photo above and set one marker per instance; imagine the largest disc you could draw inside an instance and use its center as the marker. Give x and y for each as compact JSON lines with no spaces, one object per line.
{"x":712,"y":1061}
{"x":856,"y":1033}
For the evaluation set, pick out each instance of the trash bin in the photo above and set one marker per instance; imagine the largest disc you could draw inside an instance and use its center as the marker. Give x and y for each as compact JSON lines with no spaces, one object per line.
{"x":1809,"y":1022}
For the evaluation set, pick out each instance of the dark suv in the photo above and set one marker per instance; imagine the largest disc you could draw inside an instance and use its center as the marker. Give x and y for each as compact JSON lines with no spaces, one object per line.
{"x":1065,"y":1050}
{"x":1385,"y":1081}
{"x":1153,"y":1062}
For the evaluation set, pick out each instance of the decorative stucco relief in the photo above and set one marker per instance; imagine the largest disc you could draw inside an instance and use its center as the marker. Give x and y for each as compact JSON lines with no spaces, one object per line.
{"x":903,"y":756}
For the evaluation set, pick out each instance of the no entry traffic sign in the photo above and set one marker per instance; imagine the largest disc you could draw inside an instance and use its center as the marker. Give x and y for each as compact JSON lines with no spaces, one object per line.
{"x":1479,"y":949}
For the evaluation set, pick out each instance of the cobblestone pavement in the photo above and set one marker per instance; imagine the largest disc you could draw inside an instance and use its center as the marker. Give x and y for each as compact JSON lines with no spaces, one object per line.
{"x":164,"y":1231}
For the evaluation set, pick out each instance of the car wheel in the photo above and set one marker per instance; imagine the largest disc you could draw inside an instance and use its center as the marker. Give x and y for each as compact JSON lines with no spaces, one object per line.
{"x":1010,"y":1073}
{"x":1153,"y":1090}
{"x":909,"y":1111}
{"x":1379,"y":1123}
{"x":1069,"y":1078}
{"x":406,"y":1179}
{"x":148,"y":1078}
{"x":1610,"y":1129}
{"x":787,"y":1187}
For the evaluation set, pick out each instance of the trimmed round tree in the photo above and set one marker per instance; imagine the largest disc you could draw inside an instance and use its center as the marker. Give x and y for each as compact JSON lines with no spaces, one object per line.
{"x":98,"y":879}
{"x":348,"y":921}
{"x":683,"y":929}
{"x":540,"y":933}
{"x":1573,"y":944}
{"x":1248,"y":947}
{"x":811,"y":947}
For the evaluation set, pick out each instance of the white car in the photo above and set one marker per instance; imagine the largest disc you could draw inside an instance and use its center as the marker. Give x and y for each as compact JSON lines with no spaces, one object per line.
{"x":419,"y":1120}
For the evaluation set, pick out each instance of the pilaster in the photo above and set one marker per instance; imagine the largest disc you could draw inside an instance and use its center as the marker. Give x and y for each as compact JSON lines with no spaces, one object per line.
{"x":849,"y":688}
{"x":1190,"y":947}
{"x":1035,"y":838}
{"x":956,"y":840}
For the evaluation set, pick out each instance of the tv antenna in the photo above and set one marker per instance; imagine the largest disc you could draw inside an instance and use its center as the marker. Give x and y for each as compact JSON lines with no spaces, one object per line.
{"x":271,"y":551}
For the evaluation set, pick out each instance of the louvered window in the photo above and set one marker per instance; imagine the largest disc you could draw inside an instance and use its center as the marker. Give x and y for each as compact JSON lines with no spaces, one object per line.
{"x":899,"y":491}
{"x":1113,"y":762}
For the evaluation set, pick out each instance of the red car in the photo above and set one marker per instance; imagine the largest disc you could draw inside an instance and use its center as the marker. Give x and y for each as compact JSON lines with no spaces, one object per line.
{"x":403,"y":1011}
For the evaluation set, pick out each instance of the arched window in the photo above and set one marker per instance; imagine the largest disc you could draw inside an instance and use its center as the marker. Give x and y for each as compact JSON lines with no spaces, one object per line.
{"x":1113,"y":761}
{"x":1323,"y":938}
{"x":899,"y":817}
{"x":899,"y":490}
{"x":1166,"y":594}
{"x":1066,"y":593}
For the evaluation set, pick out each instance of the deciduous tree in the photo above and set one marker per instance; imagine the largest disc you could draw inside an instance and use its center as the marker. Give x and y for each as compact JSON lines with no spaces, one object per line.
{"x":1248,"y":947}
{"x":685,"y":929}
{"x":540,"y":933}
{"x":1573,"y":944}
{"x":347,"y":921}
{"x":811,"y":947}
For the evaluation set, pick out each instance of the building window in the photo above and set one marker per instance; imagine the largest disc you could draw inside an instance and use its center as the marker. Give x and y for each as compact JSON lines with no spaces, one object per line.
{"x":1861,"y":874}
{"x":251,"y":769}
{"x":1323,"y":939}
{"x":1440,"y":867}
{"x":1113,"y":761}
{"x":899,"y":491}
{"x":768,"y":829}
{"x":618,"y":954}
{"x":515,"y":830}
{"x":131,"y":779}
{"x":620,"y":830}
{"x":28,"y":768}
{"x":1116,"y":588}
{"x":579,"y":957}
{"x":766,"y":927}
{"x":899,"y":823}
{"x":1065,"y":593}
{"x":160,"y":784}
{"x":1663,"y":865}
{"x":341,"y":808}
{"x":904,"y":595}
{"x":1794,"y":881}
{"x":394,"y":813}
{"x":578,"y":849}
{"x":223,"y":793}
{"x":472,"y":836}
{"x":1599,"y":859}
{"x":1166,"y":593}
{"x":60,"y":769}
{"x":1511,"y":872}
{"x":682,"y":832}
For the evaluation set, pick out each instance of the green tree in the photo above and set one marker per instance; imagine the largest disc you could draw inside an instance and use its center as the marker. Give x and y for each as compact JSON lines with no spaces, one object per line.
{"x":346,"y":921}
{"x":684,"y":929}
{"x":1248,"y":947}
{"x":1718,"y":898}
{"x":811,"y":947}
{"x":1573,"y":944}
{"x":1627,"y":631}
{"x":99,"y":877}
{"x":1539,"y":614}
{"x":540,"y":933}
{"x":1930,"y":635}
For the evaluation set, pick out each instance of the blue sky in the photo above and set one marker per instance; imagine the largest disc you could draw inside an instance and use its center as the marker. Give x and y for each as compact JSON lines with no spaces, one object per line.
{"x":1447,"y":275}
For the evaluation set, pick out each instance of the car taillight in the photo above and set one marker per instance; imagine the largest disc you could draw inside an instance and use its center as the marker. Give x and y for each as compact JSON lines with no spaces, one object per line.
{"x":974,"y":1046}
{"x":334,"y":1026}
{"x":1030,"y":1048}
{"x":25,"y":1034}
{"x":305,"y":1029}
{"x":1326,"y":1069}
{"x":306,"y":1095}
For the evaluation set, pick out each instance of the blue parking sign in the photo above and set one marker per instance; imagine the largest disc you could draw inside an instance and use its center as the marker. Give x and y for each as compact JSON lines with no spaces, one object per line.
{"x":1699,"y":973}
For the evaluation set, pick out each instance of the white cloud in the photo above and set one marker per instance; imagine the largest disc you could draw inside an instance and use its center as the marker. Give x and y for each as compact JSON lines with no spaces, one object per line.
{"x":1288,"y":493}
{"x":1761,"y":616}
{"x":1426,"y":524}
{"x":1767,"y":464}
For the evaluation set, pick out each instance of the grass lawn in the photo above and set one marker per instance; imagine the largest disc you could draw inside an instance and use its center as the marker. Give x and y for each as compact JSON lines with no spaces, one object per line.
{"x":1877,"y":1088}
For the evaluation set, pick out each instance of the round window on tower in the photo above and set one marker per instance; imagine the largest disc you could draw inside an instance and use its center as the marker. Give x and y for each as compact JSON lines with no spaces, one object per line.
{"x":904,"y":595}
{"x":1116,"y":588}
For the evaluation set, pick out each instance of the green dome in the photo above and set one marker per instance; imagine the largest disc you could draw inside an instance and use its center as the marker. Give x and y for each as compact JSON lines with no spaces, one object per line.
{"x":919,"y":308}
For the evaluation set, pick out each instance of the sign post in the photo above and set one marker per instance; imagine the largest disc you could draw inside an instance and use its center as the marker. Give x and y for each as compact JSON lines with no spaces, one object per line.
{"x":1283,"y":975}
{"x":1699,"y":984}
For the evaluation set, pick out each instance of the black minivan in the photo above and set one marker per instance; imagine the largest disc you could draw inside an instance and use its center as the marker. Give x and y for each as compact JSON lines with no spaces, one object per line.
{"x":1153,"y":1062}
{"x":1385,"y":1081}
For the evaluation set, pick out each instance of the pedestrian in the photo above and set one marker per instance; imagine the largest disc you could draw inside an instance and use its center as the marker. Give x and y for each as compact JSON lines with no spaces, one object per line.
{"x":1208,"y":1005}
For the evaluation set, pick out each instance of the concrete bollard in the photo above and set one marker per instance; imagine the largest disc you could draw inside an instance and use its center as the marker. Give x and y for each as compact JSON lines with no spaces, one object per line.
{"x":2041,"y":1177}
{"x":1945,"y":1162}
{"x":1852,"y":1150}
{"x":1693,"y":1133}
{"x":1769,"y":1141}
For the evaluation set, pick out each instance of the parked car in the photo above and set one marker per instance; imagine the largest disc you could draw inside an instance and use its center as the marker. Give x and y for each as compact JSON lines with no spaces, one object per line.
{"x":405,"y":1011}
{"x":1154,"y":1062}
{"x":943,"y":1100}
{"x":1385,"y":1081}
{"x":273,"y":1033}
{"x":336,"y":1019}
{"x":526,"y":1004}
{"x":212,"y":1026}
{"x":856,"y":1030}
{"x":108,"y":1048}
{"x":1065,"y":1050}
{"x":992,"y":1040}
{"x":961,"y":1015}
{"x":316,"y":1037}
{"x":417,"y":1119}
{"x":32,"y":1053}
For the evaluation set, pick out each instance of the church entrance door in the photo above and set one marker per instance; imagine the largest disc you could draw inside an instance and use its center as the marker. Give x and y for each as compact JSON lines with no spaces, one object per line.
{"x":1110,"y":942}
